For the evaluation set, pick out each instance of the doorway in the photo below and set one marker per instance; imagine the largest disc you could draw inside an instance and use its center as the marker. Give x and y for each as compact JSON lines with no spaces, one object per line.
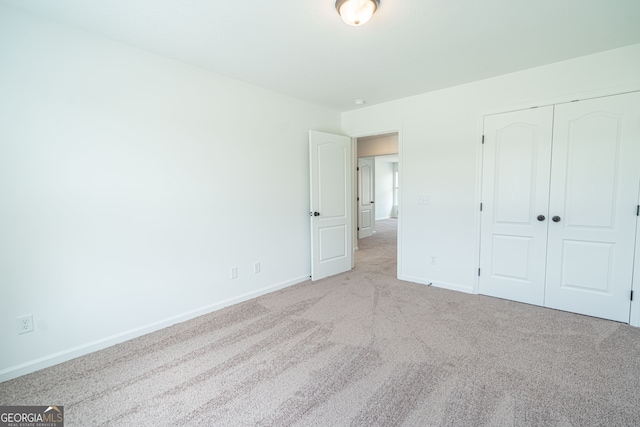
{"x":377,"y":186}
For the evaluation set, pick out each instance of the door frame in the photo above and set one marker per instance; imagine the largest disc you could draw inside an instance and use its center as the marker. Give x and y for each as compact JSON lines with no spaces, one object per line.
{"x":354,"y":148}
{"x":634,"y":319}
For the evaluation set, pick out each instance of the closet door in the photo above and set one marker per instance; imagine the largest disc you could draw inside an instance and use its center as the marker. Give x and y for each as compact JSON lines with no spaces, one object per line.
{"x":515,"y":196}
{"x":593,"y":198}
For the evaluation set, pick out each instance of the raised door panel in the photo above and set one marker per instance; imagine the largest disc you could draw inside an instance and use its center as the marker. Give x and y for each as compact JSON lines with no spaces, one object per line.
{"x":512,"y":258}
{"x":333,"y":243}
{"x":515,"y":191}
{"x":515,"y":173}
{"x":594,"y":187}
{"x":332,"y":200}
{"x":591,"y":165}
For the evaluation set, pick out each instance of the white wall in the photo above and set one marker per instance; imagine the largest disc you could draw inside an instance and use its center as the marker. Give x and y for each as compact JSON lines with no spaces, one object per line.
{"x":131,"y":184}
{"x":439,"y":143}
{"x":384,"y":188}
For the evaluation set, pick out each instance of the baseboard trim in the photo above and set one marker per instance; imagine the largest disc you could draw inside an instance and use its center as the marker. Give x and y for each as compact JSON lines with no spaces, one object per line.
{"x":443,"y":285}
{"x":93,"y":346}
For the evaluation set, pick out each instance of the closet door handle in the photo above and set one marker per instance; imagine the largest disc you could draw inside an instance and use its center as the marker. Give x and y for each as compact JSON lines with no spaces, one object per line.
{"x":541,"y":218}
{"x":556,"y":219}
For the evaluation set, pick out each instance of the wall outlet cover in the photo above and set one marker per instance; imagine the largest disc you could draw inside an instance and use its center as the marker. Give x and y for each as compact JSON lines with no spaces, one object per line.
{"x":24,"y":324}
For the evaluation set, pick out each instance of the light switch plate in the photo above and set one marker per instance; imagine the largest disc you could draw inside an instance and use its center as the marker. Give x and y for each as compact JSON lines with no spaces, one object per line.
{"x":424,"y":200}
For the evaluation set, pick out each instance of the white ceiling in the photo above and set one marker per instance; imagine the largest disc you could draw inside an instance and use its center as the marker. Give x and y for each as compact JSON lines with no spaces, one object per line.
{"x":303,"y":49}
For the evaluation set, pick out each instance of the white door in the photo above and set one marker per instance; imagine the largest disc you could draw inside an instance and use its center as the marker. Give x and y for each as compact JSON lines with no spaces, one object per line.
{"x":593,"y":202}
{"x":634,"y":318}
{"x":366,"y":192}
{"x":515,"y":190}
{"x":330,"y":165}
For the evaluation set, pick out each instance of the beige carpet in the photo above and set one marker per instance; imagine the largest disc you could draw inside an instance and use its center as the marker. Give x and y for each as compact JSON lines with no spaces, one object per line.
{"x":360,"y":349}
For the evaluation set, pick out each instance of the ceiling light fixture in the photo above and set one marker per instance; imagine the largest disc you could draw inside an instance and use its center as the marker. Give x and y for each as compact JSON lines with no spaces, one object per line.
{"x":356,"y":12}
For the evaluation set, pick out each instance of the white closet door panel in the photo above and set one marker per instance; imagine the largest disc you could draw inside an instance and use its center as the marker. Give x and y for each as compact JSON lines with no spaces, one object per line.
{"x":515,"y":183}
{"x":594,"y":188}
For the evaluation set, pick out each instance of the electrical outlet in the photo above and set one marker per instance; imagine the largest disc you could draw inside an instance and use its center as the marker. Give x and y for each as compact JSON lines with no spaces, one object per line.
{"x":434,"y":259}
{"x":234,"y":272}
{"x":25,"y":324}
{"x":256,"y":267}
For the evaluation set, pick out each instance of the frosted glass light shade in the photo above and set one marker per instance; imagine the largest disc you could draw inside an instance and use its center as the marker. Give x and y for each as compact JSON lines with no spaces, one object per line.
{"x":356,"y":12}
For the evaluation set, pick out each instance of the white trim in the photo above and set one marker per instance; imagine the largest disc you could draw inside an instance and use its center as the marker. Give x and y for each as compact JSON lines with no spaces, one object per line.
{"x":442,"y":285}
{"x":634,"y":315}
{"x":354,"y":199}
{"x":93,"y":346}
{"x":478,"y":199}
{"x":578,"y":96}
{"x":399,"y":211}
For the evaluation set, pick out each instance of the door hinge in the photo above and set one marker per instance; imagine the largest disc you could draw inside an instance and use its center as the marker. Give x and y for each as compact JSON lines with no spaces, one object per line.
{"x":358,"y":199}
{"x":480,"y":207}
{"x":357,"y":168}
{"x":483,"y":139}
{"x":638,"y":210}
{"x":358,"y":228}
{"x":631,"y":296}
{"x":478,"y":272}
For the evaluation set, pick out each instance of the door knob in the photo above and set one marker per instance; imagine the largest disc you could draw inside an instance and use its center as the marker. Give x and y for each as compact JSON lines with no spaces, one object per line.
{"x":541,"y":218}
{"x":372,"y":201}
{"x":316,"y":214}
{"x":556,"y":218}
